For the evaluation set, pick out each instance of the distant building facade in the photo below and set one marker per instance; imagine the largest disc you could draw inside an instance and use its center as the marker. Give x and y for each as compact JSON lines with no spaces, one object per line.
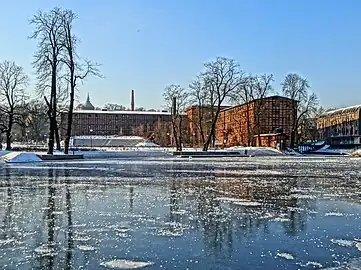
{"x":89,"y":121}
{"x":199,"y":117}
{"x":340,"y":127}
{"x":262,"y":122}
{"x":100,"y":122}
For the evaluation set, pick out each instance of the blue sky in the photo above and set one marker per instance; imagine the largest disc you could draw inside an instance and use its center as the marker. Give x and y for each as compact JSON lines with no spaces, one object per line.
{"x":319,"y":39}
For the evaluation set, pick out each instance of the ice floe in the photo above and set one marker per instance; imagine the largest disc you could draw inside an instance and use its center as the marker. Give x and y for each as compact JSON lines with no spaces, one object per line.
{"x":45,"y":250}
{"x":343,"y":242}
{"x":334,"y":214}
{"x":86,"y":248}
{"x":285,"y":255}
{"x":311,"y":264}
{"x":125,"y":264}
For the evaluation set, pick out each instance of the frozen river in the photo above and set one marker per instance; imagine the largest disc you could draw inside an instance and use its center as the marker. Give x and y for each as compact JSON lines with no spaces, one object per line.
{"x":256,"y":213}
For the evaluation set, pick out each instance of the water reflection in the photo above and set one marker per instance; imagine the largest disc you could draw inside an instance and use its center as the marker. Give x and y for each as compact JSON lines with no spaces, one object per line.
{"x":68,"y":206}
{"x":55,"y":220}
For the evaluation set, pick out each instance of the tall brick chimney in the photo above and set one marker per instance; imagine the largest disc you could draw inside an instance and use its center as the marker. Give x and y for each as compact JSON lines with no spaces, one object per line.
{"x":132,"y":101}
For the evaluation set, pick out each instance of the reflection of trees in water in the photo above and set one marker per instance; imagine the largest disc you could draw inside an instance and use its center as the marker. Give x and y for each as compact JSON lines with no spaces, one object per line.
{"x":218,"y":221}
{"x":131,"y":199}
{"x":174,"y":197}
{"x":7,"y":227}
{"x":215,"y":223}
{"x":68,"y":206}
{"x":298,"y":214}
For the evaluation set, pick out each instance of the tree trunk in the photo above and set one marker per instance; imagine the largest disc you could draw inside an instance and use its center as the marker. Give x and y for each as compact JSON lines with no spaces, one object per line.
{"x":57,"y":135}
{"x":8,"y":140}
{"x":51,"y":128}
{"x":51,"y":137}
{"x":175,"y":134}
{"x":180,"y":133}
{"x":8,"y":132}
{"x":211,"y":133}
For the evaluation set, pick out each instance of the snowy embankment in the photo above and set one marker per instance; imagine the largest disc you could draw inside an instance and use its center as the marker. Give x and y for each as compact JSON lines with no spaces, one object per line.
{"x":328,"y":150}
{"x":257,"y":151}
{"x":29,"y":157}
{"x":20,"y":157}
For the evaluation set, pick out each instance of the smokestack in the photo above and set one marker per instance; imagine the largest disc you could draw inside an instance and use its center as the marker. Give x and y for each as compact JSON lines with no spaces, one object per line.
{"x":132,"y":101}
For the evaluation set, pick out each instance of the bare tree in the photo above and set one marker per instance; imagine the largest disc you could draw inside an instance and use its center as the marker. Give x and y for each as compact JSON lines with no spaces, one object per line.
{"x":77,"y":71}
{"x":221,"y":78}
{"x":49,"y":34}
{"x":297,"y":88}
{"x":200,"y":98}
{"x":176,"y":99}
{"x":36,"y":120}
{"x":262,"y":87}
{"x":13,"y":81}
{"x":114,"y":107}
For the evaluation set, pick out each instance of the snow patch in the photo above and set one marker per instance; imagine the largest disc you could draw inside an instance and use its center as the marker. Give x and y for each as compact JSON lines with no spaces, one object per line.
{"x":21,"y":157}
{"x":147,"y":144}
{"x":125,"y":264}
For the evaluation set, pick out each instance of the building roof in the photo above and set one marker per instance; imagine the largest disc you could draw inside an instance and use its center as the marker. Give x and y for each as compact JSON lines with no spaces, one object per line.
{"x":265,"y":98}
{"x":206,"y":107}
{"x":349,"y":109}
{"x":121,"y":112}
{"x":87,"y":105}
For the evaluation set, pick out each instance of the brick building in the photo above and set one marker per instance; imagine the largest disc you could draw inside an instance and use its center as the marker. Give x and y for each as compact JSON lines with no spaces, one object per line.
{"x":262,"y":122}
{"x":99,"y":122}
{"x":199,"y":117}
{"x":341,"y":126}
{"x":89,"y":121}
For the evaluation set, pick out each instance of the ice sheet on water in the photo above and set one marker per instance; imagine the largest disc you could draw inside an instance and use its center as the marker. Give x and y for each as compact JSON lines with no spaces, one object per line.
{"x":176,"y":232}
{"x":179,"y":212}
{"x":86,"y":248}
{"x":302,"y":196}
{"x":311,"y":264}
{"x":334,"y":214}
{"x":82,"y":239}
{"x":247,"y":203}
{"x":125,"y":264}
{"x":354,"y":264}
{"x":4,"y":242}
{"x":281,"y":219}
{"x":45,"y":250}
{"x":343,"y":242}
{"x":285,"y":255}
{"x":358,"y":246}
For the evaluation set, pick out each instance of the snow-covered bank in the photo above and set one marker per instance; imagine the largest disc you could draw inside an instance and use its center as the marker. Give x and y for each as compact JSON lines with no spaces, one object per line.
{"x":257,"y":151}
{"x":20,"y":157}
{"x":328,"y":150}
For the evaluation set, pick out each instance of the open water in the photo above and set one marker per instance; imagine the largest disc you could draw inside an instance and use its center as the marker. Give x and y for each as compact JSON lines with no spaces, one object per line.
{"x":250,"y":213}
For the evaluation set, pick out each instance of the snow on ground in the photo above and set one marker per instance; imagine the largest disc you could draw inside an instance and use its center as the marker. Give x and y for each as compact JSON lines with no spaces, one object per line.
{"x":258,"y":151}
{"x":20,"y":157}
{"x":147,"y":144}
{"x":337,"y":151}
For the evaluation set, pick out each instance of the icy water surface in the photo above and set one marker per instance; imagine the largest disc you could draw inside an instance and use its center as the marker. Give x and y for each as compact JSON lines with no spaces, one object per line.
{"x":256,"y":213}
